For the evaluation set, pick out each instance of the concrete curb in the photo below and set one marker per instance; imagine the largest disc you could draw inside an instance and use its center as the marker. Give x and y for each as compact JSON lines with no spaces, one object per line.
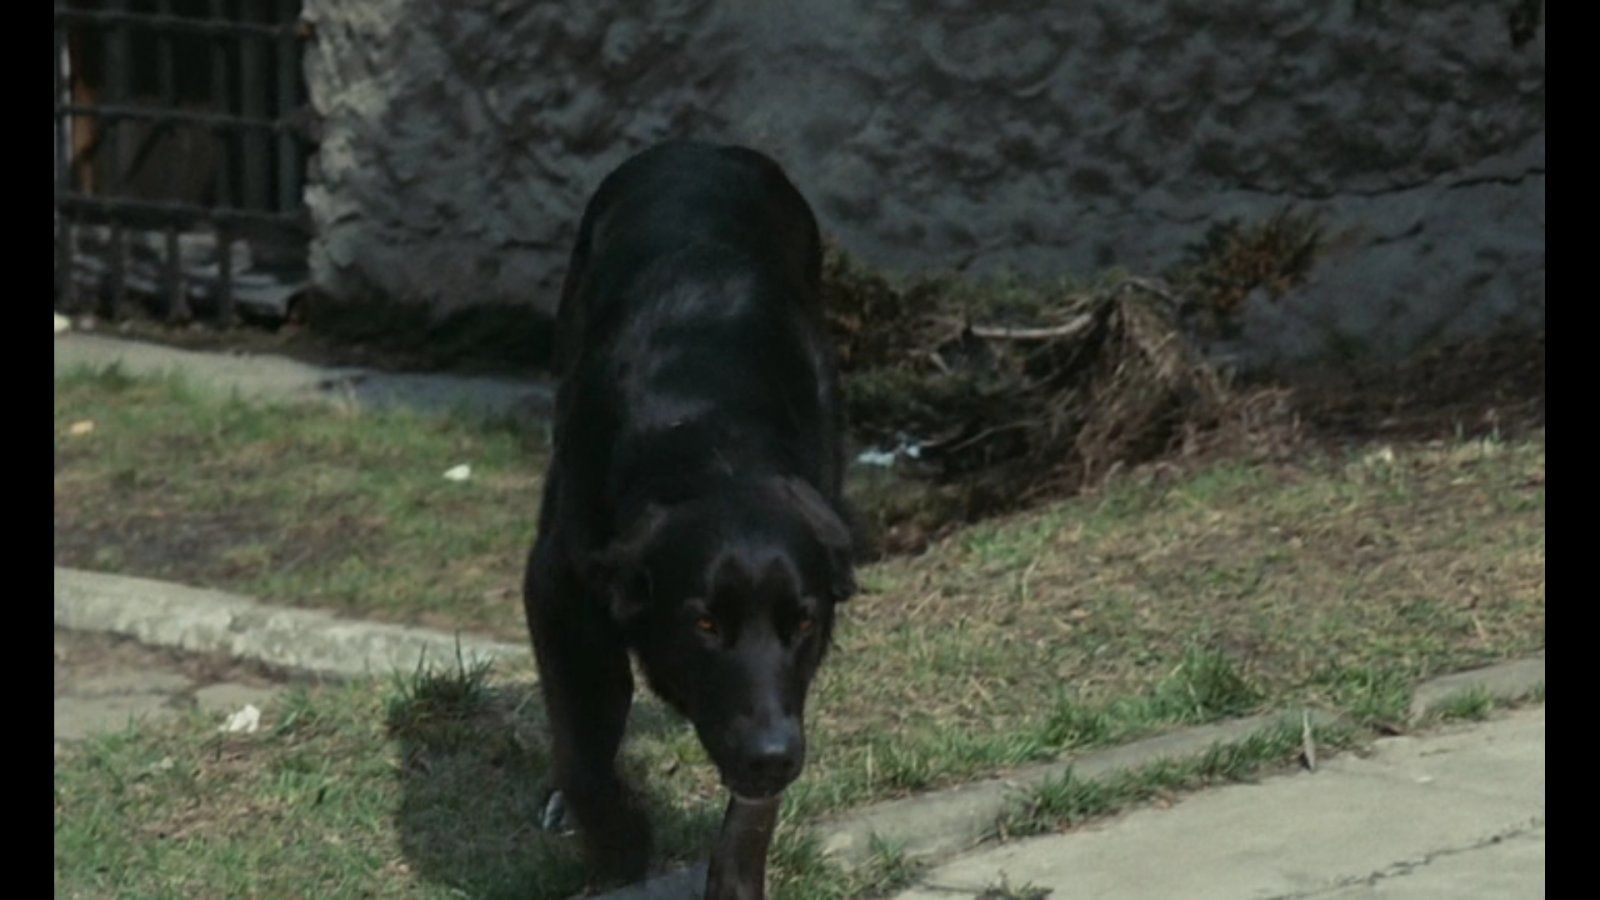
{"x":1503,"y":681}
{"x":954,"y":820}
{"x":948,"y":822}
{"x":311,"y":641}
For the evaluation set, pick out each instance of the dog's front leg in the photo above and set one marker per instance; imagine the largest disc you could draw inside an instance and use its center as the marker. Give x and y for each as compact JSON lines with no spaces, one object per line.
{"x":588,"y":688}
{"x":738,"y":868}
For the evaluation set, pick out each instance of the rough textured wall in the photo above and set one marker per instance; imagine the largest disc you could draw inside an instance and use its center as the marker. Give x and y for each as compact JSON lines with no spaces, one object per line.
{"x":460,"y":140}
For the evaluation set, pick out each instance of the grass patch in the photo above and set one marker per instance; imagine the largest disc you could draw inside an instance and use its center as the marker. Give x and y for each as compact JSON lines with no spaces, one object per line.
{"x":1475,"y":704}
{"x":1372,"y":695}
{"x":296,"y":503}
{"x":1004,"y":890}
{"x":1337,"y":580}
{"x":439,"y":706}
{"x":1205,"y":686}
{"x":372,"y":789}
{"x":328,"y":799}
{"x":797,"y":870}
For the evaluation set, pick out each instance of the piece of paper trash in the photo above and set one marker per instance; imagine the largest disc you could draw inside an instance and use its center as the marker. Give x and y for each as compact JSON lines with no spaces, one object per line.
{"x":246,"y":720}
{"x":882,"y":458}
{"x":1383,"y":456}
{"x":886,"y":458}
{"x":459,"y":473}
{"x":80,"y":428}
{"x":62,"y":323}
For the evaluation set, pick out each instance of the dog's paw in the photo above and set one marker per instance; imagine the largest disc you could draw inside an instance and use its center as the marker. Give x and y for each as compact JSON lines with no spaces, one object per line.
{"x":554,"y":818}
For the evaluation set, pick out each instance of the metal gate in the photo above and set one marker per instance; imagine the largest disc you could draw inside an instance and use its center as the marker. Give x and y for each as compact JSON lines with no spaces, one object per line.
{"x":181,"y":140}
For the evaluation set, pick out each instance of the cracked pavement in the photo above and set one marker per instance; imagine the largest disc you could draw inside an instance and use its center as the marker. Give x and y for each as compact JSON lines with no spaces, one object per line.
{"x":104,"y":682}
{"x":1457,"y":813}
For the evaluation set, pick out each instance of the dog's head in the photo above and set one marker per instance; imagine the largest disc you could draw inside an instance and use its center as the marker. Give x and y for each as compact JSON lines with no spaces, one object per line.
{"x":728,"y":600}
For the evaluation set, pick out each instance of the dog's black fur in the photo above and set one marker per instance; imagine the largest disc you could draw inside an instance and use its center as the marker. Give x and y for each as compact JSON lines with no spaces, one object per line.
{"x":692,"y":511}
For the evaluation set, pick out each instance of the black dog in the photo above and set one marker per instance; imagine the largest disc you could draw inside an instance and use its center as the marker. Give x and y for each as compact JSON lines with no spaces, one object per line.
{"x":692,"y":511}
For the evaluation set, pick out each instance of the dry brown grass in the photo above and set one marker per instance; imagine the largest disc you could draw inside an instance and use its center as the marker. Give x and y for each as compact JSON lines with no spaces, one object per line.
{"x":1020,"y":393}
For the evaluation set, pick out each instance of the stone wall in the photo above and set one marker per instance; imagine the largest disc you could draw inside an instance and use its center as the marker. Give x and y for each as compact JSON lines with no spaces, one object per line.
{"x":460,"y":140}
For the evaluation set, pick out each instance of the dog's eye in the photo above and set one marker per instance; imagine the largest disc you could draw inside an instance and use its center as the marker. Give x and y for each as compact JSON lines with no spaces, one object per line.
{"x":706,"y":624}
{"x":805,"y":624}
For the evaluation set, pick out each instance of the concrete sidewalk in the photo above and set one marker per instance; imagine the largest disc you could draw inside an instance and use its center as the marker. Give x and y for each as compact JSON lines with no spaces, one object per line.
{"x":104,"y":682}
{"x":1458,"y":813}
{"x":267,"y":376}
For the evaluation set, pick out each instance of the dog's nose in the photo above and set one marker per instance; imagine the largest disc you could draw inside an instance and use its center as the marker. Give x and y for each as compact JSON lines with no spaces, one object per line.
{"x":776,"y":755}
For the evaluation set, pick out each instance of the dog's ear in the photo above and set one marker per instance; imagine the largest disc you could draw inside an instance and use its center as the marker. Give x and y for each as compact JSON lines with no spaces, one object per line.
{"x":830,"y":531}
{"x":618,"y":571}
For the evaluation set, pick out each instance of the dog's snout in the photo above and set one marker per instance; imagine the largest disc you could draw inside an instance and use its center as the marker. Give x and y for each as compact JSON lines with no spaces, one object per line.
{"x":778,"y":753}
{"x":772,"y":758}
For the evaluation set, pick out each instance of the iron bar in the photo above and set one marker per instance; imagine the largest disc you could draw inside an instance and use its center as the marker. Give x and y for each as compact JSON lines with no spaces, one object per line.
{"x":256,"y":152}
{"x":288,"y":88}
{"x":112,"y":18}
{"x":189,"y":212}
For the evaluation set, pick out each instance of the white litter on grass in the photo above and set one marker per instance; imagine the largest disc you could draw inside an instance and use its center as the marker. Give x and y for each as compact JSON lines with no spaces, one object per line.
{"x":459,"y":473}
{"x":886,"y":458}
{"x":246,"y":720}
{"x":1383,"y":456}
{"x":883,"y":458}
{"x":62,"y":323}
{"x":80,"y":428}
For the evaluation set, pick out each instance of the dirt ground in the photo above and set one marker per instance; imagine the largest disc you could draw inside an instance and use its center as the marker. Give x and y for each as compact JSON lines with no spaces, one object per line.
{"x":1494,"y":385}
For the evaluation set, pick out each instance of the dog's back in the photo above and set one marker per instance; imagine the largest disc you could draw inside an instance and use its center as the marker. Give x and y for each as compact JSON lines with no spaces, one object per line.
{"x":690,"y":334}
{"x":685,"y":194}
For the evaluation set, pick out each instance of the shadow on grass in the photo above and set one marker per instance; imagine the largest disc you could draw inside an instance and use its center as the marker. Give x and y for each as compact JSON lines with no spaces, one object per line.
{"x":475,"y":776}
